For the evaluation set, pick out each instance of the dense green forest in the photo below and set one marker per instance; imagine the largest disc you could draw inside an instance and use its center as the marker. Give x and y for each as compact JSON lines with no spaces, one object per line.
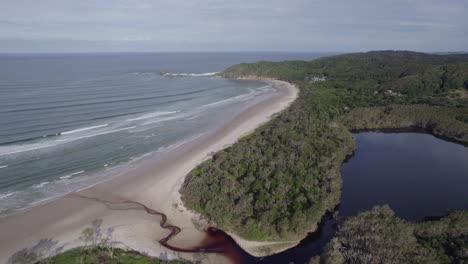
{"x":278,"y":182}
{"x":281,"y":179}
{"x":378,"y":236}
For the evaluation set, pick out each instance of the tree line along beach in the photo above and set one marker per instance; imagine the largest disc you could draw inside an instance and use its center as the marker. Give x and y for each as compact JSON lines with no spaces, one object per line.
{"x":294,"y":160}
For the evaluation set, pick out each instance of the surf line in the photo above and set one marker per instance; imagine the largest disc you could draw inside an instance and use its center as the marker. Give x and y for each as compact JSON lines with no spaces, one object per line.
{"x":215,"y":241}
{"x":72,"y":174}
{"x":82,"y":129}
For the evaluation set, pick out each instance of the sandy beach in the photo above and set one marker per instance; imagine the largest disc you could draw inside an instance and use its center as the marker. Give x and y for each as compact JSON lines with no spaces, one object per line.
{"x":56,"y":226}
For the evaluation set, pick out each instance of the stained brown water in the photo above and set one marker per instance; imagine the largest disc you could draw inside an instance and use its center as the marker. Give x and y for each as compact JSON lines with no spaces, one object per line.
{"x":215,"y":241}
{"x":219,"y":242}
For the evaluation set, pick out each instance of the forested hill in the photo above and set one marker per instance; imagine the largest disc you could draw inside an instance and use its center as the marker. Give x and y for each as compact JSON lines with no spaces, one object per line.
{"x":278,"y":182}
{"x":414,"y":74}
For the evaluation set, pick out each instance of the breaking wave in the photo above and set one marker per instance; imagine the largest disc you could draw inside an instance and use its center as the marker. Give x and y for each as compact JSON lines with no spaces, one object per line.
{"x":6,"y":195}
{"x":15,"y":149}
{"x":71,"y":174}
{"x":206,"y":74}
{"x":40,"y":185}
{"x":67,"y":167}
{"x":151,"y":115}
{"x":50,"y":189}
{"x":83,"y":129}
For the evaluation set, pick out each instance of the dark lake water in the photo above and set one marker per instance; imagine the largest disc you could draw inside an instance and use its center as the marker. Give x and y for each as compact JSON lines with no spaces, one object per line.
{"x":417,"y":175}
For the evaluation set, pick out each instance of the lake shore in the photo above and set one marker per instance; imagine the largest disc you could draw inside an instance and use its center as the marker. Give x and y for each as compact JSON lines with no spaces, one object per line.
{"x":155,"y":183}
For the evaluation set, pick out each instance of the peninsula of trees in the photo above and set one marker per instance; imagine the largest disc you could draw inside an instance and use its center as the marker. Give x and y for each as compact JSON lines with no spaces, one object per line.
{"x":278,"y":182}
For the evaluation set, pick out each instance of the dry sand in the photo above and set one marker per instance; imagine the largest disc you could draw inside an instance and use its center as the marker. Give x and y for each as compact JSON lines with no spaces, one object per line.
{"x":57,"y":225}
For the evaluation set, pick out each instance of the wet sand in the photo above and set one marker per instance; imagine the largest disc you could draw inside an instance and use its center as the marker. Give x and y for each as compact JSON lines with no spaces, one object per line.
{"x":128,"y":208}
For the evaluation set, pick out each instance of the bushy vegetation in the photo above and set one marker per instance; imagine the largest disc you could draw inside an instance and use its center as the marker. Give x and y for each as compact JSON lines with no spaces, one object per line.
{"x":278,"y":182}
{"x":274,"y":183}
{"x":378,"y":236}
{"x":98,"y":249}
{"x":99,"y":255}
{"x":441,"y":121}
{"x":446,"y":239}
{"x":411,"y":73}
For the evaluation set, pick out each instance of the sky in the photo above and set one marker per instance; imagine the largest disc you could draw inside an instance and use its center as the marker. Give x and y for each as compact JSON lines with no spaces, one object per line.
{"x":235,"y":25}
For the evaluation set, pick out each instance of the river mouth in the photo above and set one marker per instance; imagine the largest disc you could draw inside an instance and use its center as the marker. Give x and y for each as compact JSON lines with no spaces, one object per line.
{"x":421,"y":177}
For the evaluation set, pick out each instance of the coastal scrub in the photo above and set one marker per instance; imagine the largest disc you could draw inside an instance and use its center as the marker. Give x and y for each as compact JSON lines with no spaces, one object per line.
{"x":278,"y":182}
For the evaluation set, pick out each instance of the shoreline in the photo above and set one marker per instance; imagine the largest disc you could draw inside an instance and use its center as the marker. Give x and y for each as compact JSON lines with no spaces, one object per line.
{"x":154,"y":182}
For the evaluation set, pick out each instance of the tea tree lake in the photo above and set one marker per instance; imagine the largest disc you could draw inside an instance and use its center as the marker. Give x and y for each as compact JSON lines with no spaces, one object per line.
{"x":418,"y":175}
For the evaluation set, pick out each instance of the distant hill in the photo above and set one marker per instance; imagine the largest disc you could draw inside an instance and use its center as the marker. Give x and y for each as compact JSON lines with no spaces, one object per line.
{"x":450,"y":52}
{"x":411,"y":73}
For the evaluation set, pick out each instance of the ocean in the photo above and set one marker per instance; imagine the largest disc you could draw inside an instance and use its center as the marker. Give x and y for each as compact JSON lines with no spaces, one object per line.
{"x":68,"y":121}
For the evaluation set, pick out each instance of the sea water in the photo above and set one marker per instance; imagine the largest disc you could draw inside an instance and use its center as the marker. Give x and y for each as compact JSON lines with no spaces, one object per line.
{"x":68,"y":121}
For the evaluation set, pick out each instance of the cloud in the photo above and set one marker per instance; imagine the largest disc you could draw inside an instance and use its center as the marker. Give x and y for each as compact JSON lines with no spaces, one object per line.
{"x":295,"y":25}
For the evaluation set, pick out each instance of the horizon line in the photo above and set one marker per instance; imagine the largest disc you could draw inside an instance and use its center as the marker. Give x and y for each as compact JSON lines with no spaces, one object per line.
{"x":229,"y":51}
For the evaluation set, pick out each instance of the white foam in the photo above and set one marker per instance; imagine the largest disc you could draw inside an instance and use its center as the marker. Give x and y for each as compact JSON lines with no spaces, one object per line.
{"x":242,"y":97}
{"x":35,"y":195}
{"x":6,"y":195}
{"x":4,"y":166}
{"x":239,"y":97}
{"x":9,"y":150}
{"x":72,"y":174}
{"x":206,"y":74}
{"x":83,"y":129}
{"x":98,"y":134}
{"x":194,"y":116}
{"x":180,"y":143}
{"x":161,"y":120}
{"x":151,"y":115}
{"x":40,"y":185}
{"x":41,"y":201}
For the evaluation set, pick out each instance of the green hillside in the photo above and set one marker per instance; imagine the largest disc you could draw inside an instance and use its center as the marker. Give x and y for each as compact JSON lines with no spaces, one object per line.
{"x":278,"y":182}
